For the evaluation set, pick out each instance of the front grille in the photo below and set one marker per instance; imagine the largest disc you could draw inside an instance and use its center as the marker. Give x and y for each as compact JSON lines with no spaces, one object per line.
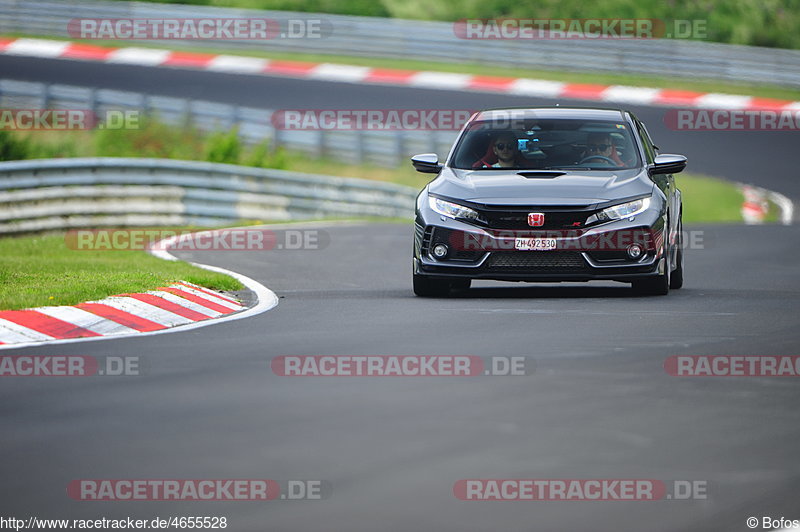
{"x":519,"y":220}
{"x":466,"y":255}
{"x":535,"y":261}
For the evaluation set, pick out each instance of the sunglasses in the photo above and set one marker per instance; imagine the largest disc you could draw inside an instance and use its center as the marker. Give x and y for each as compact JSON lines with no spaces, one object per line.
{"x":507,"y":146}
{"x":599,"y":147}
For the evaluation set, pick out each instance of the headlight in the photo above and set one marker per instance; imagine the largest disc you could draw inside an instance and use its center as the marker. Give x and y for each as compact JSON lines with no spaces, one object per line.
{"x":451,"y":210}
{"x":618,"y":212}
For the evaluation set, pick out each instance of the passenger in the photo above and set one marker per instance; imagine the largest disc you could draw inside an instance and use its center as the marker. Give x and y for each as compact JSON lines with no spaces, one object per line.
{"x":502,"y":153}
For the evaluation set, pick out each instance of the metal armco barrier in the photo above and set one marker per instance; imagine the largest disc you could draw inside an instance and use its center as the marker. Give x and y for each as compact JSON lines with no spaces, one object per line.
{"x":59,"y":194}
{"x":381,"y":148}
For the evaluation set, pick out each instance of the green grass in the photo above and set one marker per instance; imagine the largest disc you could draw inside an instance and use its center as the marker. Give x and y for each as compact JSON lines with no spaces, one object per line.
{"x":42,"y":270}
{"x":763,"y":90}
{"x":709,"y":200}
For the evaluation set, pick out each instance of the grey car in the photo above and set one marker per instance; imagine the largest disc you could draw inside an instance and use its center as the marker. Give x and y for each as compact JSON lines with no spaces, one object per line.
{"x":549,"y":195}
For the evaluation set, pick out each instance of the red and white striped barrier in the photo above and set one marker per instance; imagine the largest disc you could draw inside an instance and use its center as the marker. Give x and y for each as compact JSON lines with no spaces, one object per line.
{"x":178,"y":304}
{"x":360,"y":74}
{"x":755,"y":205}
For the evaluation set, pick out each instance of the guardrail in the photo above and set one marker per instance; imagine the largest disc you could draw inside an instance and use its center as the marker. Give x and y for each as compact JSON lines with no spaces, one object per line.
{"x":381,"y":148}
{"x":436,"y":41}
{"x":58,"y":194}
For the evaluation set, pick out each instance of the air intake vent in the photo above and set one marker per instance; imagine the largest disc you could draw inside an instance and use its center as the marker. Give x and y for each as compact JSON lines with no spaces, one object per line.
{"x":540,"y":174}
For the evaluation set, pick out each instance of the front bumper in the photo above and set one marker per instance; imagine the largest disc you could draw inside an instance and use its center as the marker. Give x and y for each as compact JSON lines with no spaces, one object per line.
{"x":598,"y":253}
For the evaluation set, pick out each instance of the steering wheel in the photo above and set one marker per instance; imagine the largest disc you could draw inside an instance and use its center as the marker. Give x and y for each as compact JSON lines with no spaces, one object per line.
{"x":601,"y":157}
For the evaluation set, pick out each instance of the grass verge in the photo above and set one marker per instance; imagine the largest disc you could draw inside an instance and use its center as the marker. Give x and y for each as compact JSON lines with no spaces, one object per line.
{"x":709,"y":199}
{"x":41,"y":270}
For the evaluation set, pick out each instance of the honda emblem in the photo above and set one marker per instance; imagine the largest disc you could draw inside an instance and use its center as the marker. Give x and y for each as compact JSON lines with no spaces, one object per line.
{"x":536,"y":219}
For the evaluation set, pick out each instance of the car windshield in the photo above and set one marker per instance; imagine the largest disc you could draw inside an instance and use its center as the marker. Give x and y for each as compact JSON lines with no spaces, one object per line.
{"x":557,"y":144}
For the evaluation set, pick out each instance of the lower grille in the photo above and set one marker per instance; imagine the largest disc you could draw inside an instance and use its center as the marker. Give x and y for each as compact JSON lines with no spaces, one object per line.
{"x":535,"y":261}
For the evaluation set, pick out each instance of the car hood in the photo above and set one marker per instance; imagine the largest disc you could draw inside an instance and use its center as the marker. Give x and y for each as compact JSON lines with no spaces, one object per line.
{"x":509,"y":188}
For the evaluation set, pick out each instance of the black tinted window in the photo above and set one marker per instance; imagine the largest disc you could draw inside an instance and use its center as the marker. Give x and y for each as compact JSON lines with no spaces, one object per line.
{"x":547,"y":144}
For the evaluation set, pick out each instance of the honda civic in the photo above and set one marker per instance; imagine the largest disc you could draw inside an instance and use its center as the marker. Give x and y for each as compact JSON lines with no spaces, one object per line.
{"x":549,"y":195}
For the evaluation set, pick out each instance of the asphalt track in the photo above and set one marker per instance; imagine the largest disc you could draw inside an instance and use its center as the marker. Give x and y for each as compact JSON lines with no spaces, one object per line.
{"x":599,"y":405}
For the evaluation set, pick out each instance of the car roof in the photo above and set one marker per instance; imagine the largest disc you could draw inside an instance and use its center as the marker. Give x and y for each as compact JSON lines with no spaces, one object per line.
{"x":552,"y":113}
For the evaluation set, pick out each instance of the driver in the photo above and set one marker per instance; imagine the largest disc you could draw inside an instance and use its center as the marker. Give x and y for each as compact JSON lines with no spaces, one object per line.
{"x":601,"y":145}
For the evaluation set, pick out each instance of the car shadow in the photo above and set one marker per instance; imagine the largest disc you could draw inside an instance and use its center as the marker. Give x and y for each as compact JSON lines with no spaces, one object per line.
{"x":623,"y":291}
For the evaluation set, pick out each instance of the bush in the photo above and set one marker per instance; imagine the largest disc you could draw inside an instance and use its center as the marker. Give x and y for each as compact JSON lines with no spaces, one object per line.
{"x":13,"y":147}
{"x":224,"y":147}
{"x":152,"y":139}
{"x":261,"y":156}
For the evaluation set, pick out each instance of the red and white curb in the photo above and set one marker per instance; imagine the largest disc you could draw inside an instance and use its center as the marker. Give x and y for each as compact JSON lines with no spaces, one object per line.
{"x":756,"y":205}
{"x":178,"y":307}
{"x":359,"y":74}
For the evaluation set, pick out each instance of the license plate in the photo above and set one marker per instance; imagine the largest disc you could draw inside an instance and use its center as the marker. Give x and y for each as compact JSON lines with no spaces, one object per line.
{"x":534,"y":244}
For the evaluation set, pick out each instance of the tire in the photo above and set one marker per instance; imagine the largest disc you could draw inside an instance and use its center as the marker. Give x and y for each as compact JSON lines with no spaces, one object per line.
{"x":652,"y":287}
{"x":427,"y":287}
{"x":676,"y":279}
{"x":658,"y":285}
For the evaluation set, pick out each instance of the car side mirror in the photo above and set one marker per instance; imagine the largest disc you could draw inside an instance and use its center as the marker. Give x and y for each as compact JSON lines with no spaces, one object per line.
{"x":668,"y":164}
{"x":427,"y":163}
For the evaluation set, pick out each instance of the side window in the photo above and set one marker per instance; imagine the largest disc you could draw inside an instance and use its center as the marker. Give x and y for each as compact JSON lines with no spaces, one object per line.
{"x":649,"y":151}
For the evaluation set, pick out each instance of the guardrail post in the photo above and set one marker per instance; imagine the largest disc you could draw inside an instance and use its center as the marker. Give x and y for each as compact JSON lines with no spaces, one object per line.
{"x":399,"y":147}
{"x":360,"y":149}
{"x":92,"y":102}
{"x":323,"y":144}
{"x":46,"y":97}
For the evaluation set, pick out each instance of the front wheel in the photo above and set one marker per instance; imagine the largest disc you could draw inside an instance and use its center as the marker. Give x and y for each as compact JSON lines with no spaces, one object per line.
{"x":658,"y":285}
{"x":676,"y":280}
{"x":425,"y":286}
